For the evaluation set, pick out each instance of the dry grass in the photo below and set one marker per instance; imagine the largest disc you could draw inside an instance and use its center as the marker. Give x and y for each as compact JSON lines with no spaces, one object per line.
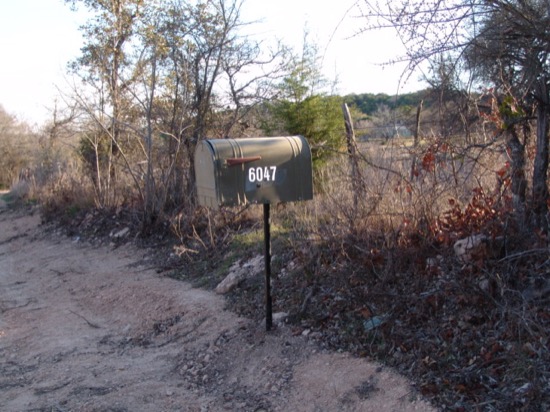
{"x":392,"y":201}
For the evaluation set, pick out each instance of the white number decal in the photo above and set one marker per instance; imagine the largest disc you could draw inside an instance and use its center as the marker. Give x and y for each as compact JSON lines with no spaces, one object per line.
{"x":262,"y":174}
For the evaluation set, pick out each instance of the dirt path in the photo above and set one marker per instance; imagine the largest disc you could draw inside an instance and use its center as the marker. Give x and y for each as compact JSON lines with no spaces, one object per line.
{"x":85,"y":329}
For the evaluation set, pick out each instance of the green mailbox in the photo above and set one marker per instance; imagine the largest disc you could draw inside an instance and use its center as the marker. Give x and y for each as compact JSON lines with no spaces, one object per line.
{"x":266,"y":170}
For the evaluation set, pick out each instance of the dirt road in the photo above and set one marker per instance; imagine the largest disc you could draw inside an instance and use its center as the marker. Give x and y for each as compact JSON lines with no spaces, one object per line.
{"x":86,"y":329}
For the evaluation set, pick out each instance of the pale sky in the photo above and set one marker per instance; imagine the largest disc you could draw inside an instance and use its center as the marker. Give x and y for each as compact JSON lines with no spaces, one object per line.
{"x":39,"y":37}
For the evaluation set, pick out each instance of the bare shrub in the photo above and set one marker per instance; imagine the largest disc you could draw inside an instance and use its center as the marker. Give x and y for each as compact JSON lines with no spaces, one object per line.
{"x":59,"y":185}
{"x":17,"y":145}
{"x":66,"y":196}
{"x":20,"y":190}
{"x":402,"y":207}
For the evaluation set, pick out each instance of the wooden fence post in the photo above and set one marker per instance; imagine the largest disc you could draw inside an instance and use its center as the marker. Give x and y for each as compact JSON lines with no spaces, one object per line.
{"x":356,"y":179}
{"x":416,"y":138}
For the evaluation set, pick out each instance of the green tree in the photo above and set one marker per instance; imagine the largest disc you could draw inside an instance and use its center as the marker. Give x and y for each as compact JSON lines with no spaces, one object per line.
{"x":302,"y":108}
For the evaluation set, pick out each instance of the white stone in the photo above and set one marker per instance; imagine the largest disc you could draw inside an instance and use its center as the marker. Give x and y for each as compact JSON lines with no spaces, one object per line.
{"x":465,"y":248}
{"x":239,"y":272}
{"x":121,"y":233}
{"x":279,"y":318}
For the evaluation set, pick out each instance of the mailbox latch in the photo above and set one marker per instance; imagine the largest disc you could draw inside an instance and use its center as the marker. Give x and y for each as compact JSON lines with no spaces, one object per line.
{"x":242,"y":160}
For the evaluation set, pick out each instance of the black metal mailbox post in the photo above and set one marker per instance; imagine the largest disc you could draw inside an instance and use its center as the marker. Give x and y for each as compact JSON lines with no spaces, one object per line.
{"x":232,"y":172}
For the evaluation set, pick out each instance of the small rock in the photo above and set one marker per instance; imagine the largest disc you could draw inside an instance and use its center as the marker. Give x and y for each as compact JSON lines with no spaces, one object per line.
{"x":229,"y":283}
{"x":465,"y":249}
{"x":238,"y":272}
{"x":433,"y":265}
{"x":484,"y":285}
{"x":280,"y":318}
{"x":524,"y":388}
{"x":121,"y":233}
{"x":374,"y":322}
{"x":315,"y":335}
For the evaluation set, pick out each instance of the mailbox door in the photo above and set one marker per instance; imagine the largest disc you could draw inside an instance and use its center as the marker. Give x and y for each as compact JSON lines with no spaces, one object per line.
{"x":253,"y":170}
{"x":283,"y":174}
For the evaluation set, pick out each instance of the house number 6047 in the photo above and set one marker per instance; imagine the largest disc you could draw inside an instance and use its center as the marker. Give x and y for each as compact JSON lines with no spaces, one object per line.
{"x":262,"y":174}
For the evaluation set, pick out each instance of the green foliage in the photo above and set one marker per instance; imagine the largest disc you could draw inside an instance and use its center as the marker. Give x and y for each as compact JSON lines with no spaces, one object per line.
{"x":319,"y":119}
{"x":369,"y":103}
{"x":304,"y":109}
{"x":510,"y":111}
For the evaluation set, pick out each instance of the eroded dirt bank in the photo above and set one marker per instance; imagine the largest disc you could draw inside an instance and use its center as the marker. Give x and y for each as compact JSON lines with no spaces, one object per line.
{"x":87,"y":329}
